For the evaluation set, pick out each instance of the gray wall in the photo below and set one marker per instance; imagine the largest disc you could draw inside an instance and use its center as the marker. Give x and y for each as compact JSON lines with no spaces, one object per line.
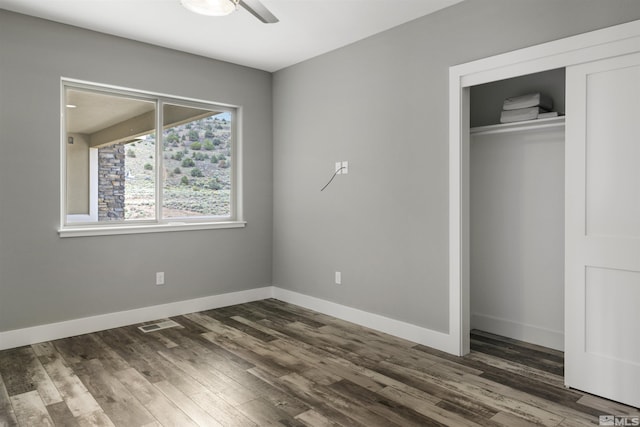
{"x":44,"y":278}
{"x":382,"y":104}
{"x":78,"y":161}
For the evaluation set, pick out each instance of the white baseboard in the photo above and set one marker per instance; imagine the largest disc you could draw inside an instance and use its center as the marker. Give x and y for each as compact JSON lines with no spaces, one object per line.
{"x":519,"y":331}
{"x":69,"y":328}
{"x":408,"y":331}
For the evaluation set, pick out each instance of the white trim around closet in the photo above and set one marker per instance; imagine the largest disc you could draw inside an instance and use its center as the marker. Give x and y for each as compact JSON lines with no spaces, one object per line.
{"x":605,"y":43}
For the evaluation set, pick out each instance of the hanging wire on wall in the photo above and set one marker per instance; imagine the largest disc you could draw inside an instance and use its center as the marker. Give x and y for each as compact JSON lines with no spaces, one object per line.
{"x":332,"y":177}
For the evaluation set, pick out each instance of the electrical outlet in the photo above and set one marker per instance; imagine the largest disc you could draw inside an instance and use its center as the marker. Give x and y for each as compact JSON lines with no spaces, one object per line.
{"x":160,"y":278}
{"x":342,"y":168}
{"x":338,"y":278}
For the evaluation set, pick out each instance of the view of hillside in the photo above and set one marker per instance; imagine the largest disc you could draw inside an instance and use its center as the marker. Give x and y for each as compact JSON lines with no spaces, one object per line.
{"x":196,"y":171}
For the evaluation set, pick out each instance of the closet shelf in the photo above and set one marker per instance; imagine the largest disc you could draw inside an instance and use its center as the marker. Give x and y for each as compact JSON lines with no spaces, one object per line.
{"x":519,"y":126}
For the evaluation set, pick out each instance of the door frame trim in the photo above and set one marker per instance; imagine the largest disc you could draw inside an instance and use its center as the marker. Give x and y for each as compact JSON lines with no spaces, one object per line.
{"x":600,"y":44}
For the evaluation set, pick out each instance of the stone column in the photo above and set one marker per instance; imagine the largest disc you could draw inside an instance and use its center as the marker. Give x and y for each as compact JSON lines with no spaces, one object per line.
{"x":111,"y":174}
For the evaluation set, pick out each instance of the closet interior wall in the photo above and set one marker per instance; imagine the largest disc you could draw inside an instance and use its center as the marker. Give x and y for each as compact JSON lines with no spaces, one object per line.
{"x":517,"y":215}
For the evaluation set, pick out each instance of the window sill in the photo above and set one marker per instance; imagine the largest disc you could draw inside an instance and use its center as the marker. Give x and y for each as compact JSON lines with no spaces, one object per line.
{"x":84,"y":231}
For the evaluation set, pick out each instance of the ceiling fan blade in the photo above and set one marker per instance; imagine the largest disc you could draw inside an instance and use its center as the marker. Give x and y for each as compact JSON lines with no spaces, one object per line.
{"x":258,"y":10}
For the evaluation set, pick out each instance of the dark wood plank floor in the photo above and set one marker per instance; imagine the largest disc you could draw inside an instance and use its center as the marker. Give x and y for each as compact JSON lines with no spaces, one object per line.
{"x":272,"y":363}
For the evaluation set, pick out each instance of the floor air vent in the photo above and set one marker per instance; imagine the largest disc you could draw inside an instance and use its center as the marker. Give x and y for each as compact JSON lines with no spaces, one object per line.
{"x":159,"y":325}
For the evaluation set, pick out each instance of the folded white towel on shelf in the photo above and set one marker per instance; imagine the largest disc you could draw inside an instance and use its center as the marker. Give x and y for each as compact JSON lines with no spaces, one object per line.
{"x":521,"y":114}
{"x":530,"y":100}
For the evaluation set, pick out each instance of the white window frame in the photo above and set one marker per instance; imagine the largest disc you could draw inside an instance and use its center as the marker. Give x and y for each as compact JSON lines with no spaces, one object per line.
{"x":87,"y":224}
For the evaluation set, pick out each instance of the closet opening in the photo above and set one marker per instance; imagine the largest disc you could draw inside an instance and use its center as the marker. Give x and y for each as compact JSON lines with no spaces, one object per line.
{"x":516,"y":211}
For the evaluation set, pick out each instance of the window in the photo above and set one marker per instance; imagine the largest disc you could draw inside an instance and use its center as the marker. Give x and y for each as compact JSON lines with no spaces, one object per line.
{"x":137,"y":162}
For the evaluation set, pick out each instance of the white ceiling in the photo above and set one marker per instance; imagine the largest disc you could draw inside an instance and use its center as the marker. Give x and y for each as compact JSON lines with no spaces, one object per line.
{"x":307,"y":28}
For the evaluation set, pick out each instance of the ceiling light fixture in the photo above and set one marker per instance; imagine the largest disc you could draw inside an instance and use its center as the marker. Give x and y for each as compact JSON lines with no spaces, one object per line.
{"x":211,"y":7}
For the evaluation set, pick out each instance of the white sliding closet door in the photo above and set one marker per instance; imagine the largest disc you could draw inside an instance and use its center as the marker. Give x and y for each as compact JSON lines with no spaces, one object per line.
{"x":602,"y":252}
